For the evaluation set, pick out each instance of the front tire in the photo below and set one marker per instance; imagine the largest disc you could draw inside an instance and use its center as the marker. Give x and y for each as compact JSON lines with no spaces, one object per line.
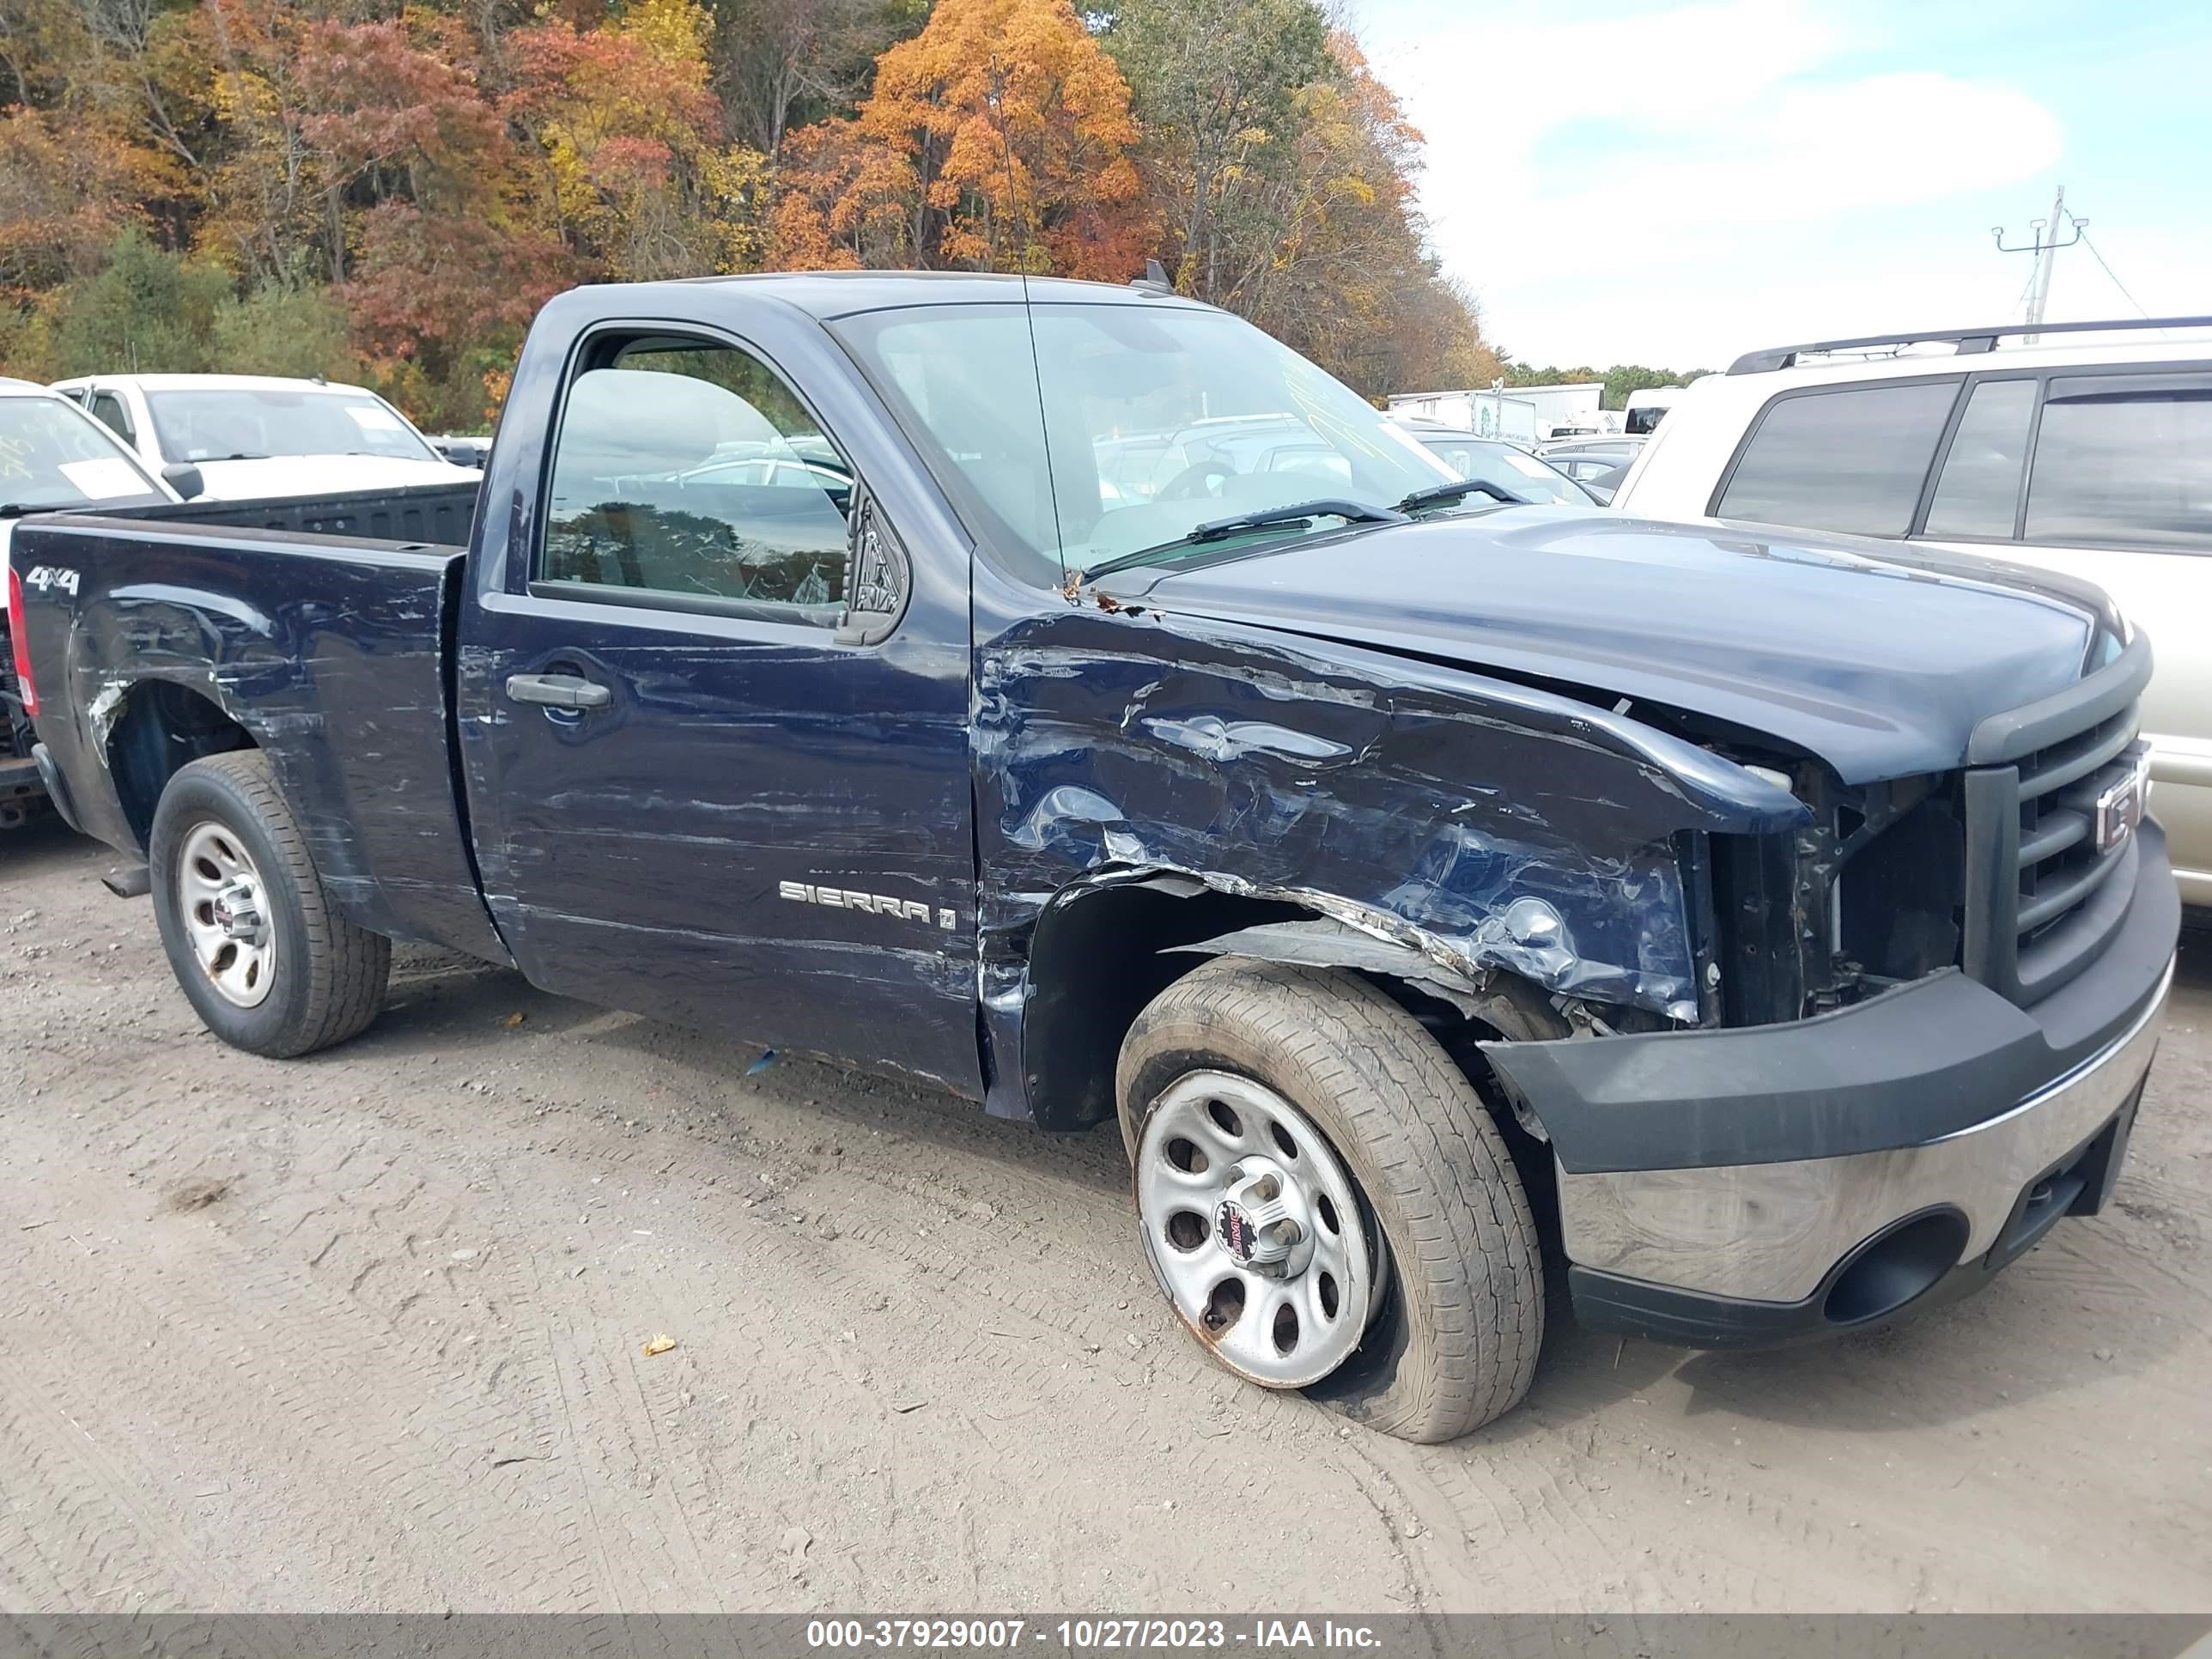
{"x":260,"y":951}
{"x":1222,"y":1078}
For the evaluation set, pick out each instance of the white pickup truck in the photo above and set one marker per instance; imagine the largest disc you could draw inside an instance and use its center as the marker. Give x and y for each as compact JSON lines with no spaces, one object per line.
{"x":252,"y":436}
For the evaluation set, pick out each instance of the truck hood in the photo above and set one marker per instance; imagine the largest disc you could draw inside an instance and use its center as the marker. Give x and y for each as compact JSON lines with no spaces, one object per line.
{"x":1879,"y":660}
{"x":321,"y":475}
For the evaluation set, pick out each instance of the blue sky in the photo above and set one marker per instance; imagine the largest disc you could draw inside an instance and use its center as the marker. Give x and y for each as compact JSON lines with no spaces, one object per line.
{"x":1672,"y":184}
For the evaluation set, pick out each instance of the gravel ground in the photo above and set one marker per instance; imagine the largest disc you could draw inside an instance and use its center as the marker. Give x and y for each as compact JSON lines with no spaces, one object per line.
{"x":365,"y":1332}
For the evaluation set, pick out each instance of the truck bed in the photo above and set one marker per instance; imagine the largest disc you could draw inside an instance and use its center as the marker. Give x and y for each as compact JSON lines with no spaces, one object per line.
{"x":429,"y":515}
{"x":253,"y":616}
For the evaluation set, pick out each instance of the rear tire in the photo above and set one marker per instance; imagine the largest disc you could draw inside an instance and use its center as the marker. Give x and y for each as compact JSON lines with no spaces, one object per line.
{"x":226,"y":849}
{"x":1454,"y":1341}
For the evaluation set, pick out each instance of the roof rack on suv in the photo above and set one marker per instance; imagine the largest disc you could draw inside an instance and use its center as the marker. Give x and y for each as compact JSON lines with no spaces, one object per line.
{"x":1968,"y":340}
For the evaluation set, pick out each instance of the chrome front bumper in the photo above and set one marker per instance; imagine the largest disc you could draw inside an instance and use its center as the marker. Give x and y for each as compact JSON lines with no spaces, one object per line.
{"x":1774,"y":1232}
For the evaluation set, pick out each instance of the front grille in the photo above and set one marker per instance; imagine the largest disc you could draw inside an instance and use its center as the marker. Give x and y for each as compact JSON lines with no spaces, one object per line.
{"x":2043,"y":899}
{"x":2060,"y":867}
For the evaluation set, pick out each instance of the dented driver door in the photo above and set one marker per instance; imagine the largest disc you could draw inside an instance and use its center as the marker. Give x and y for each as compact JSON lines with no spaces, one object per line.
{"x":703,"y":788}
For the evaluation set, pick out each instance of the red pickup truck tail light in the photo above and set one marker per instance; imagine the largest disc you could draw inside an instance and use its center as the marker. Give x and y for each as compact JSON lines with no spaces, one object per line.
{"x":23,"y":644}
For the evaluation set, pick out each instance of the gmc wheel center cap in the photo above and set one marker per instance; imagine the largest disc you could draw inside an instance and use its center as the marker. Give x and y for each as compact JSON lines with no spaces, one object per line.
{"x":1234,"y":1229}
{"x":1263,"y":1222}
{"x":237,"y":911}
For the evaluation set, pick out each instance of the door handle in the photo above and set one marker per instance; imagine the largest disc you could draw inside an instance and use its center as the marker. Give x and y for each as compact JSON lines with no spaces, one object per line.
{"x":558,"y":691}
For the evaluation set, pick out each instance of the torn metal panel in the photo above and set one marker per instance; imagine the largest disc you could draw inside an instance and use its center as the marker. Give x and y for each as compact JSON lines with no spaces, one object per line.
{"x":100,"y":714}
{"x":1326,"y":943}
{"x":1228,"y":740}
{"x":1481,"y":825}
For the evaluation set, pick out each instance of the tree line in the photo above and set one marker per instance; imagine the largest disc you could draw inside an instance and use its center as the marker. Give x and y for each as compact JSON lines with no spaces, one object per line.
{"x":385,"y":190}
{"x":1619,"y":381}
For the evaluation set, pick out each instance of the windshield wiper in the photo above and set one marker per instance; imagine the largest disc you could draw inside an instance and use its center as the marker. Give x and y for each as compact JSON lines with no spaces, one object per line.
{"x":1294,"y":512}
{"x":1443,"y":494}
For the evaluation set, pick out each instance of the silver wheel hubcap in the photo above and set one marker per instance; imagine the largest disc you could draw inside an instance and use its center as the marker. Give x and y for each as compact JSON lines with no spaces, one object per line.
{"x":1255,"y":1229}
{"x":225,"y":915}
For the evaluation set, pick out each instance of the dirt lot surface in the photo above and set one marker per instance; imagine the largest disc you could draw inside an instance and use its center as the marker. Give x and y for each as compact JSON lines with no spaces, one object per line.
{"x":365,"y":1332}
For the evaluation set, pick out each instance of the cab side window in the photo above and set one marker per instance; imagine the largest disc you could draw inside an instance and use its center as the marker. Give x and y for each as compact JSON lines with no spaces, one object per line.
{"x":107,"y":409}
{"x":1851,"y":460}
{"x":688,"y":469}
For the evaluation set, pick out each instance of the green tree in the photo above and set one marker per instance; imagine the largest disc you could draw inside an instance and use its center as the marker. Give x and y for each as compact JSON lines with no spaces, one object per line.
{"x":147,"y":311}
{"x":1216,"y":87}
{"x":1625,"y":378}
{"x":1619,"y":380}
{"x":298,"y":329}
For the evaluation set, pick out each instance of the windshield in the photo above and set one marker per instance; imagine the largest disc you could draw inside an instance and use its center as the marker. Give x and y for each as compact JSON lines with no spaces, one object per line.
{"x":232,"y":424}
{"x":1154,"y":420}
{"x":51,"y":454}
{"x":1524,"y":476}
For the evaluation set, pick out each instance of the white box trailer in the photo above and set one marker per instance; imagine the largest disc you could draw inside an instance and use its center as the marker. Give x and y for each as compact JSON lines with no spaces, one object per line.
{"x":1487,"y":414}
{"x":1572,"y":409}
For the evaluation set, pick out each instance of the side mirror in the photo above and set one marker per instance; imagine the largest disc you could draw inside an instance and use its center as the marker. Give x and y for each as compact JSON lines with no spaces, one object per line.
{"x":184,"y":479}
{"x":878,"y":578}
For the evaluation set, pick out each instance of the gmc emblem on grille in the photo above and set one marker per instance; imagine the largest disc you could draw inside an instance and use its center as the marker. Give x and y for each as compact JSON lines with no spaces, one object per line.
{"x":2120,"y":807}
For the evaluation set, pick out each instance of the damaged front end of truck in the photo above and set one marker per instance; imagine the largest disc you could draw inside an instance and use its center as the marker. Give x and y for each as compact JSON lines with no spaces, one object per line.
{"x":1795,"y":1048}
{"x":1153,"y":789}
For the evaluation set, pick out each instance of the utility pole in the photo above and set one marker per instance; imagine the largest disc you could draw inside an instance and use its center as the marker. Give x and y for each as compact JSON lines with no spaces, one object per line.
{"x":2045,"y":246}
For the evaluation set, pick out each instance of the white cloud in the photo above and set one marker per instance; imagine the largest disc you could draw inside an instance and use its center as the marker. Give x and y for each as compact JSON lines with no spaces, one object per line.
{"x":1675,"y":186}
{"x":1698,"y":62}
{"x":1809,"y":155}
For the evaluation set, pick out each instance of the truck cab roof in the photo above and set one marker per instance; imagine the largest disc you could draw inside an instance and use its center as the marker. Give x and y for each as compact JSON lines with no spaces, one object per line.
{"x":826,"y":295}
{"x":212,"y":383}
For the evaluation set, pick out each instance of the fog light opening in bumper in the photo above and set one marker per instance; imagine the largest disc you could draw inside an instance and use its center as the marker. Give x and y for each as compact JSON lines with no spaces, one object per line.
{"x":1892,"y":1267}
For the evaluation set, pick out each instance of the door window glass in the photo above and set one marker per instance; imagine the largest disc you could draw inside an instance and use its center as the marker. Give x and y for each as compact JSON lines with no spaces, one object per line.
{"x":107,"y":409}
{"x":689,"y":468}
{"x":1851,"y":460}
{"x":1979,"y":494}
{"x":2124,"y":459}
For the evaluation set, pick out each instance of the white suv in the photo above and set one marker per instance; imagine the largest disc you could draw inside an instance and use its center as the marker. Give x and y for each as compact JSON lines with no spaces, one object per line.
{"x":2090,"y":459}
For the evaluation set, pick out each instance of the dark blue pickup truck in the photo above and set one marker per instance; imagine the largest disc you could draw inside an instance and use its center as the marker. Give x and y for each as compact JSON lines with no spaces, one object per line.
{"x":1067,"y":696}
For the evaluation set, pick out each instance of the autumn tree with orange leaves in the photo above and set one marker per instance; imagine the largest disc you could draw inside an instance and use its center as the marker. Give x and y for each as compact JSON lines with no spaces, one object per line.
{"x":997,"y":139}
{"x":386,"y":190}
